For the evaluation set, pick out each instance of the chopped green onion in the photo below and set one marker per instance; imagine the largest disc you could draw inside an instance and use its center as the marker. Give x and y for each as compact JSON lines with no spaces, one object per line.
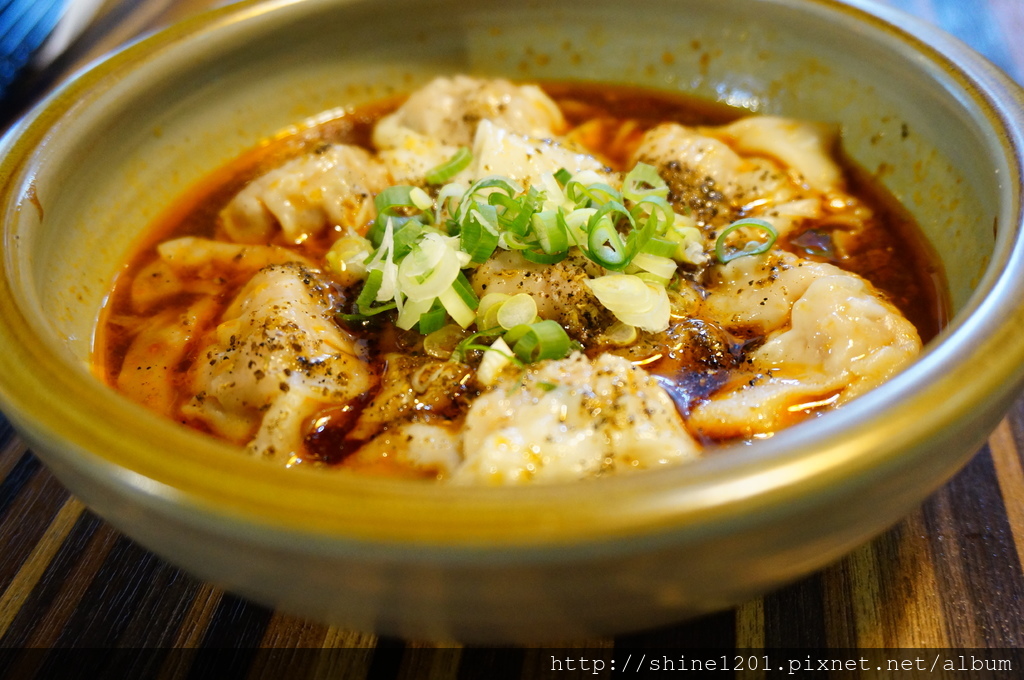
{"x":464,"y":289}
{"x":656,"y":215}
{"x":518,"y":309}
{"x":368,"y":294}
{"x":513,"y":241}
{"x":576,"y":225}
{"x":633,"y":301}
{"x":448,"y":195}
{"x":383,"y":261}
{"x":660,"y":247}
{"x":495,"y":359}
{"x":751,"y":248}
{"x":469,"y":199}
{"x":606,"y":247}
{"x":412,"y":311}
{"x":664,"y":268}
{"x":656,"y":208}
{"x":361,"y":316}
{"x":655,"y":279}
{"x":604,"y":241}
{"x":544,"y":258}
{"x":451,"y":167}
{"x":544,"y":340}
{"x":516,"y":213}
{"x":643,"y":182}
{"x":367,"y":312}
{"x":479,"y":233}
{"x":550,"y":232}
{"x":398,"y":196}
{"x":460,"y":312}
{"x":487,"y":309}
{"x":421,"y":245}
{"x":460,"y":301}
{"x":389,"y":204}
{"x":591,"y":195}
{"x":688,"y":239}
{"x":430,"y":267}
{"x":407,"y":234}
{"x":513,"y":334}
{"x":433,"y":319}
{"x":469,"y":343}
{"x":421,"y":199}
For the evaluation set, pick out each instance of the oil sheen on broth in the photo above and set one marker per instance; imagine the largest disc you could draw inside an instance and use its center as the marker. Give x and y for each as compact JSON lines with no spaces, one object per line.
{"x":494,"y":283}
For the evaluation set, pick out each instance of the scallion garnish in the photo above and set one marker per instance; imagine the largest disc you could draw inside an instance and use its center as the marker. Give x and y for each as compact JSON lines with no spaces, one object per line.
{"x":660,"y":246}
{"x":470,"y":343}
{"x":530,"y":343}
{"x":391,"y":204}
{"x":368,"y":295}
{"x":725,"y":254}
{"x":543,"y":340}
{"x":643,"y":182}
{"x":516,"y":310}
{"x":516,"y":213}
{"x":423,"y":244}
{"x":550,"y":232}
{"x":369,"y":292}
{"x":479,"y":233}
{"x":544,"y":258}
{"x":605,"y":244}
{"x":595,"y":194}
{"x":451,"y":167}
{"x":433,"y":319}
{"x":489,"y":185}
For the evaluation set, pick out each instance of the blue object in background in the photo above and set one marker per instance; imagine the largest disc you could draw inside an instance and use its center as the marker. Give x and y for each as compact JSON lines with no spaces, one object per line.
{"x":24,"y":27}
{"x":973,"y":21}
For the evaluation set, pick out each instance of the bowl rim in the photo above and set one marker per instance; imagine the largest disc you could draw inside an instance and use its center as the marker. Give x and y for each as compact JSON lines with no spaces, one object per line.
{"x":208,"y":483}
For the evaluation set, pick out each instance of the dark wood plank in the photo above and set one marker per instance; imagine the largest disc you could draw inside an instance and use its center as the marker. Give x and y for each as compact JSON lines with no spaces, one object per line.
{"x":29,"y":499}
{"x":976,"y":559}
{"x":47,"y":592}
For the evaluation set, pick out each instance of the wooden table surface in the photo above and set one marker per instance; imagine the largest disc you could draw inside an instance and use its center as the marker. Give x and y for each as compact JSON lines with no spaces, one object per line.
{"x":948,"y":576}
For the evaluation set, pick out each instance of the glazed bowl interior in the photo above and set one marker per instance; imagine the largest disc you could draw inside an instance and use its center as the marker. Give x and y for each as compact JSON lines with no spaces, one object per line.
{"x":108,"y":153}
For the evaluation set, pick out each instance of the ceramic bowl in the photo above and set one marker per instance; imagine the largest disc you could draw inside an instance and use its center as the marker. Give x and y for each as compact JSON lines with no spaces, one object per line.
{"x":92,"y":165}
